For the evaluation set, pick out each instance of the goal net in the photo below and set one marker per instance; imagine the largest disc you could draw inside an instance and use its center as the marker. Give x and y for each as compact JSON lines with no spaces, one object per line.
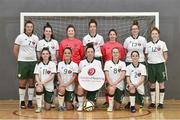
{"x":106,"y":21}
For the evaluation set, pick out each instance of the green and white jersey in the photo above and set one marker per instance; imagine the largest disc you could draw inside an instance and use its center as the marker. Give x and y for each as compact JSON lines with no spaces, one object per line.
{"x":132,"y":44}
{"x":114,"y":71}
{"x":27,"y":47}
{"x":44,"y":71}
{"x":98,"y":42}
{"x":66,"y":72}
{"x":52,"y":45}
{"x":135,"y":73}
{"x":85,"y":62}
{"x":155,"y":51}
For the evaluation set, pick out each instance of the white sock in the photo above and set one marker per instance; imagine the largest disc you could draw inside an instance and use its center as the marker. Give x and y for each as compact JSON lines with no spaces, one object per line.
{"x":22,"y":94}
{"x":30,"y":94}
{"x":39,"y":100}
{"x":61,"y":100}
{"x":161,"y":100}
{"x":111,"y":101}
{"x":132,"y":100}
{"x":153,"y":95}
{"x":81,"y":100}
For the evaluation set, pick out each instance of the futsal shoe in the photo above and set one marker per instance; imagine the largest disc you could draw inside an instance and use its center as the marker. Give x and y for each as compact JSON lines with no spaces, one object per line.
{"x":38,"y":110}
{"x":160,"y":106}
{"x":61,"y":109}
{"x":152,"y":106}
{"x":133,"y":109}
{"x":109,"y":109}
{"x":23,"y":105}
{"x":30,"y":105}
{"x":80,"y":109}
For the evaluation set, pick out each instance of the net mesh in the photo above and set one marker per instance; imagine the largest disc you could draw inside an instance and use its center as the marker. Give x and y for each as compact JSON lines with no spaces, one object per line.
{"x":121,"y":24}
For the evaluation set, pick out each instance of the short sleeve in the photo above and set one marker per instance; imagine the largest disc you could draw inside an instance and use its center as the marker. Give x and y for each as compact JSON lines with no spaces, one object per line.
{"x":106,"y":66}
{"x":101,"y":41}
{"x":127,"y":71}
{"x":57,"y":45}
{"x":143,"y":71}
{"x":36,"y":69}
{"x":123,"y":66}
{"x":75,"y":68}
{"x":164,"y":47}
{"x":84,"y":41}
{"x":39,"y":48}
{"x":53,"y":68}
{"x":18,"y":40}
{"x":125,"y":43}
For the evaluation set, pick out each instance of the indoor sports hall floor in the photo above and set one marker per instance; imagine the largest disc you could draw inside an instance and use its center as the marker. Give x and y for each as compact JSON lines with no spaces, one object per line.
{"x":9,"y":110}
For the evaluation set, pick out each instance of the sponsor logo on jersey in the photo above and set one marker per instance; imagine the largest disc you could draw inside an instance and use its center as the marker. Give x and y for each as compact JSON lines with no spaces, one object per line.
{"x":91,"y":71}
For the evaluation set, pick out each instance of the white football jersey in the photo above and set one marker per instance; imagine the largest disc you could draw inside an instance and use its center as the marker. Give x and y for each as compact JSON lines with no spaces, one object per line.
{"x":131,"y":44}
{"x":155,"y":51}
{"x":45,"y":71}
{"x":135,"y":74}
{"x":27,"y":47}
{"x":85,"y":62}
{"x":52,"y":45}
{"x":97,"y":41}
{"x":66,"y":72}
{"x":114,"y":71}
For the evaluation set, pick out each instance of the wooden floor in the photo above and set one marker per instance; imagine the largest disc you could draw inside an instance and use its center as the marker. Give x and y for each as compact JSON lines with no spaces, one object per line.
{"x":9,"y":110}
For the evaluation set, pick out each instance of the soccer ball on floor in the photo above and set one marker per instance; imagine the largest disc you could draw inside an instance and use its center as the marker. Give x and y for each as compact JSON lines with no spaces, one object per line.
{"x":88,"y":106}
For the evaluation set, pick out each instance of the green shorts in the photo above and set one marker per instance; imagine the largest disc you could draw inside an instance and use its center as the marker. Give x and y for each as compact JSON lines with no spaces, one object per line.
{"x":118,"y":95}
{"x":48,"y":96}
{"x":98,"y":58}
{"x":26,"y":69}
{"x":91,"y":95}
{"x":69,"y":96}
{"x":157,"y":72}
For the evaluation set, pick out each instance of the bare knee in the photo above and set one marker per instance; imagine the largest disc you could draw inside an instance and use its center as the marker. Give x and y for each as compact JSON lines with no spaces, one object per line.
{"x":111,"y":90}
{"x":61,"y":90}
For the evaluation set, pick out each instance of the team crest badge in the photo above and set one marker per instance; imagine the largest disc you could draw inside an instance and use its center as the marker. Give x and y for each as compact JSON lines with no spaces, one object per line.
{"x":69,"y":72}
{"x":139,"y":74}
{"x":52,"y":47}
{"x":48,"y":72}
{"x":159,"y":49}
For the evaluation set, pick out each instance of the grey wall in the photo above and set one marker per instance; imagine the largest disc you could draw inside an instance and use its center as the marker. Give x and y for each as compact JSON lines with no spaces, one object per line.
{"x":9,"y":28}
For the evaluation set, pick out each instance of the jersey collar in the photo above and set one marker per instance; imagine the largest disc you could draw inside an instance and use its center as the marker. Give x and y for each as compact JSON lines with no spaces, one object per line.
{"x":46,"y":63}
{"x":93,"y":36}
{"x":67,"y":63}
{"x":155,"y":42}
{"x":114,"y":62}
{"x":47,"y":40}
{"x":135,"y":66}
{"x":134,"y":37}
{"x":90,"y":61}
{"x":28,"y":35}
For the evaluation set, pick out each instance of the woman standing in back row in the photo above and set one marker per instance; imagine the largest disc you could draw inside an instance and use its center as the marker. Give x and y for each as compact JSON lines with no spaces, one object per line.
{"x":157,"y":56}
{"x":25,"y":53}
{"x":72,"y":42}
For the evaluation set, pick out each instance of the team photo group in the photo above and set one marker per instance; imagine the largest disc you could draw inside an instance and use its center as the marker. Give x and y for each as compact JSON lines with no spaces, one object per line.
{"x":49,"y":68}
